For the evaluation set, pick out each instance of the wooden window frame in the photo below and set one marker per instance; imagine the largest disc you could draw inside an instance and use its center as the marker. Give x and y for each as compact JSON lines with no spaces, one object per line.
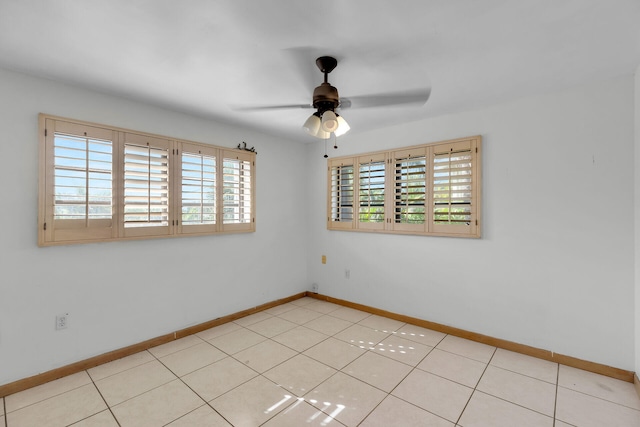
{"x":53,"y":232}
{"x":454,"y":187}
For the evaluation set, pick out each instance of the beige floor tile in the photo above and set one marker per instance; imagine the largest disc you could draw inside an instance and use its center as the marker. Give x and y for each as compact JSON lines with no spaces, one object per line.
{"x":190,"y":359}
{"x":526,"y":365}
{"x":301,"y":302}
{"x":237,"y":341}
{"x":600,"y":386}
{"x":488,"y":411}
{"x":272,"y":327}
{"x":299,"y":374}
{"x":204,"y":416}
{"x":587,"y":411}
{"x":45,"y":391}
{"x":302,"y":413}
{"x":265,"y":355}
{"x":60,"y":410}
{"x":253,"y":318}
{"x":2,"y":420}
{"x":322,"y":306}
{"x":253,"y":403}
{"x":102,"y":419}
{"x":403,"y":350}
{"x":380,"y":323}
{"x":328,"y":324}
{"x":218,"y":378}
{"x":279,"y":309}
{"x":396,"y":412}
{"x":217,"y":331}
{"x":349,"y":314}
{"x":1,"y":407}
{"x":125,"y":385}
{"x":561,"y":424}
{"x":378,"y":371}
{"x":300,"y":315}
{"x":300,"y":338}
{"x":174,"y":346}
{"x":157,"y":407}
{"x":531,"y":393}
{"x":434,"y":394}
{"x":335,"y":353}
{"x":420,"y":335}
{"x":345,"y":398}
{"x":120,"y":365}
{"x":453,"y":367}
{"x":467,"y":348}
{"x":361,"y":336}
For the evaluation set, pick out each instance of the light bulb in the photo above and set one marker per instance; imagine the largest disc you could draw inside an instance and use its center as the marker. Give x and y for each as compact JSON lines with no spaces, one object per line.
{"x":329,"y":121}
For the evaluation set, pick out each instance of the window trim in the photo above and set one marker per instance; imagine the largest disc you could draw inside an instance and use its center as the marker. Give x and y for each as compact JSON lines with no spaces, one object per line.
{"x":429,"y":227}
{"x":49,"y":235}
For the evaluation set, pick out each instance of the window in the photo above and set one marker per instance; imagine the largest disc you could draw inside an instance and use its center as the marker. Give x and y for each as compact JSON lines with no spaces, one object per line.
{"x":341,"y":193}
{"x":432,"y":189}
{"x":99,"y":183}
{"x":371,"y":184}
{"x":237,"y":188}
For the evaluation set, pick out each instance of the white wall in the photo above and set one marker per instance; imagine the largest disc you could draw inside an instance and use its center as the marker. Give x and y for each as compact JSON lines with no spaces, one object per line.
{"x":122,"y":293}
{"x":555,"y":266}
{"x":636,"y":116}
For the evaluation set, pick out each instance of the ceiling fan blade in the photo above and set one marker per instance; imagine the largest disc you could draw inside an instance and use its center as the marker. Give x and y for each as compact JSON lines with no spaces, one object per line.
{"x":386,"y":99}
{"x":271,"y":107}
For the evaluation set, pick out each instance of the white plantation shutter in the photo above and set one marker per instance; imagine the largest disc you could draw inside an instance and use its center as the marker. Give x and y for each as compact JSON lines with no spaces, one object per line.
{"x":371,"y":191}
{"x":99,"y":183}
{"x":410,"y":190}
{"x":430,"y":189}
{"x":237,"y":191}
{"x":197,"y":190}
{"x":341,"y":194}
{"x":146,"y":186}
{"x":79,"y":186}
{"x":454,"y":187}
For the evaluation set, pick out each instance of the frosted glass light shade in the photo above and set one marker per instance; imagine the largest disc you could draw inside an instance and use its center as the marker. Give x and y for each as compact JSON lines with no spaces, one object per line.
{"x":312,"y":125}
{"x":329,"y":121}
{"x":343,"y":126}
{"x":322,"y":134}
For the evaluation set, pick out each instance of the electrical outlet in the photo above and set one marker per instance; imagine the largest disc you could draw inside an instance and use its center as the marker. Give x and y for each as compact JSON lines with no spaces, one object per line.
{"x":314,"y":288}
{"x":62,"y":321}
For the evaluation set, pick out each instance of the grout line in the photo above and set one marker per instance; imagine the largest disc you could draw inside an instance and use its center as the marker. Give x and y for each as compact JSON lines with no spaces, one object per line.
{"x":6,"y":416}
{"x":103,"y":399}
{"x":476,"y":386}
{"x":600,"y":398}
{"x":196,"y":393}
{"x":555,"y":401}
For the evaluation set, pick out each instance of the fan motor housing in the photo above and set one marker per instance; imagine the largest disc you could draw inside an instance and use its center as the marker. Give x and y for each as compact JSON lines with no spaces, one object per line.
{"x":325,"y":97}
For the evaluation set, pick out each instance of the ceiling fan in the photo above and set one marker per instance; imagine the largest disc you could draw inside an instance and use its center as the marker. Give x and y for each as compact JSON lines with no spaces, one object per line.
{"x":326,"y":101}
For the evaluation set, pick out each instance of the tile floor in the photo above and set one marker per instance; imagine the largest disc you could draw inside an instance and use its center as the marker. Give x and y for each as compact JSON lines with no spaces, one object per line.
{"x":312,"y":363}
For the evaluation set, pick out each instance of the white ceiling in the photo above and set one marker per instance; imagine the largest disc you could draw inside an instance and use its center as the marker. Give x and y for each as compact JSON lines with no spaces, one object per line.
{"x":206,"y":57}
